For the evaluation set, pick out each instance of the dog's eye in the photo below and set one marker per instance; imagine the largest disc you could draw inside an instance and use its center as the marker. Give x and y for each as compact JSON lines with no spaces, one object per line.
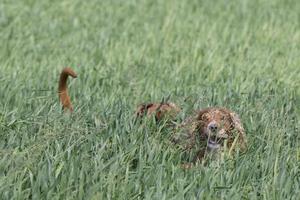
{"x":204,"y":117}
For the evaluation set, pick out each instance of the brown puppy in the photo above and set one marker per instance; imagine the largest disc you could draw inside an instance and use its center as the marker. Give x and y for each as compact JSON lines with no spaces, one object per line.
{"x":213,"y":128}
{"x":63,"y":88}
{"x":160,"y":110}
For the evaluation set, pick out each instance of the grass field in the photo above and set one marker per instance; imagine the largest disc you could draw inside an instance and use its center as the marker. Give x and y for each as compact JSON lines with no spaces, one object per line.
{"x":244,"y":55}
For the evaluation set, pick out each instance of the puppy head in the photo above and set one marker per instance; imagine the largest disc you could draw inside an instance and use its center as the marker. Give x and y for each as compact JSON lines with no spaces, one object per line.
{"x":218,"y":124}
{"x":215,"y":124}
{"x":160,"y":110}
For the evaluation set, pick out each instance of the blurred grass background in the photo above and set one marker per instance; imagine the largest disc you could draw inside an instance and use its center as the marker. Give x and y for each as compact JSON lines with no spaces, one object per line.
{"x":244,"y":55}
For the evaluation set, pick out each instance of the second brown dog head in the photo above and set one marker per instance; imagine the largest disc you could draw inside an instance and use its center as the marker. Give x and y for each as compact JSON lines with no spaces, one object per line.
{"x":160,"y":110}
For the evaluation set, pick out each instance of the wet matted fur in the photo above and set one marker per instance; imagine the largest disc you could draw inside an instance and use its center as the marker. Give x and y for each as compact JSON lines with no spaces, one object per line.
{"x":211,"y":130}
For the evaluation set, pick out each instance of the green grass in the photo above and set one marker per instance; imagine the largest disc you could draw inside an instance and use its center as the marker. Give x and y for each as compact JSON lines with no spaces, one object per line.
{"x":244,"y":55}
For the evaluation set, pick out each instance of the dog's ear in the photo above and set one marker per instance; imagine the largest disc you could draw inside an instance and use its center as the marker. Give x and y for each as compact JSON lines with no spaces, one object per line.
{"x":198,"y":122}
{"x":237,"y":125}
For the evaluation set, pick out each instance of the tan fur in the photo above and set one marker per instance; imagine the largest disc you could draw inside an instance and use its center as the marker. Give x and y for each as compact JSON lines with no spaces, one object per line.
{"x":63,"y":88}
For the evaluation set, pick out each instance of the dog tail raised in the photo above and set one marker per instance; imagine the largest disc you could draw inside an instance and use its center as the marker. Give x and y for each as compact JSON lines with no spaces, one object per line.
{"x":63,"y":88}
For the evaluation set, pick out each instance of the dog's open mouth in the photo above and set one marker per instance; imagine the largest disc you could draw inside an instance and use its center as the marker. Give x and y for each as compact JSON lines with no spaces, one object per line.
{"x":213,"y":143}
{"x":217,"y":138}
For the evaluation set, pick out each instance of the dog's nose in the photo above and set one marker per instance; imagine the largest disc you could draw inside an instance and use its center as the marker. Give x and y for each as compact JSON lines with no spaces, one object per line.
{"x":213,"y":127}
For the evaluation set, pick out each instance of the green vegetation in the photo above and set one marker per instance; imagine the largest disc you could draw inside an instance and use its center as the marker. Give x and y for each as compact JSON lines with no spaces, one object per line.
{"x":244,"y":55}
